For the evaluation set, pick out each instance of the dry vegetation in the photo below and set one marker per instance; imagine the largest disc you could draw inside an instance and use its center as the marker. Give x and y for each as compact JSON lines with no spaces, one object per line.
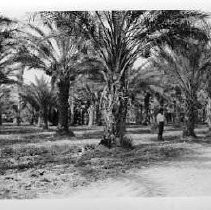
{"x":36,"y":163}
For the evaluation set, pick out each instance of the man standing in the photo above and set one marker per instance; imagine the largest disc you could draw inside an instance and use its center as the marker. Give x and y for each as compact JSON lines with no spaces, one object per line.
{"x":160,"y":122}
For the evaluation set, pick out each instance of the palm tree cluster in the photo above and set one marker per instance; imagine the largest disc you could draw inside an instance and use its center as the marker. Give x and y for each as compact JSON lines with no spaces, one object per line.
{"x":94,"y":54}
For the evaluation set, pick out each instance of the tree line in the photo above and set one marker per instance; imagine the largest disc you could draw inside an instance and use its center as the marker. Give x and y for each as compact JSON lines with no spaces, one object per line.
{"x":95,"y":53}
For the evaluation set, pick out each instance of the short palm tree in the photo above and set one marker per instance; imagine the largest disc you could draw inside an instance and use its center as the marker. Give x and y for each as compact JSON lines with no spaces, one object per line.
{"x":187,"y":69}
{"x":145,"y":82}
{"x":41,"y":97}
{"x":91,"y":93}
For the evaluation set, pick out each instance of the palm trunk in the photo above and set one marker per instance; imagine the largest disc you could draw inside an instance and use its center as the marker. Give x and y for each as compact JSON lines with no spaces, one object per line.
{"x":17,"y":119}
{"x":120,"y":119}
{"x":72,"y":112}
{"x":63,"y":95}
{"x":114,"y":116}
{"x":0,"y":115}
{"x":91,"y":115}
{"x":32,"y":120}
{"x":189,"y":120}
{"x":146,"y":109}
{"x":32,"y":117}
{"x":40,"y":119}
{"x":45,"y":119}
{"x":98,"y":115}
{"x":177,"y":116}
{"x":208,"y":111}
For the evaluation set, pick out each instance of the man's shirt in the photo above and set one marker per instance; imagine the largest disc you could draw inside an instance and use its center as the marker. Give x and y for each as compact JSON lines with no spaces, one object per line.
{"x":160,"y":118}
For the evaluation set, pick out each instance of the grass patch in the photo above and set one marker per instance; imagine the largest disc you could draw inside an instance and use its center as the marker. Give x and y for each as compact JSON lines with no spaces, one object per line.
{"x":106,"y":162}
{"x":45,"y":163}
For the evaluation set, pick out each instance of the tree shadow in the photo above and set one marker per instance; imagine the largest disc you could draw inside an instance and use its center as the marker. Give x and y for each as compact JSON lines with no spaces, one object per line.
{"x":139,"y":131}
{"x":22,"y":129}
{"x":28,"y":139}
{"x":90,"y":135}
{"x":86,"y":128}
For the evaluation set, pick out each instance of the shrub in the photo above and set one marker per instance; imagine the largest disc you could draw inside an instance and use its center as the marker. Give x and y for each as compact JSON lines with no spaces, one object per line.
{"x":126,"y":142}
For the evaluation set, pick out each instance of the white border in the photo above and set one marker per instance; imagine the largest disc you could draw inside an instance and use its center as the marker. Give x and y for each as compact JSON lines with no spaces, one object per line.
{"x":17,"y":9}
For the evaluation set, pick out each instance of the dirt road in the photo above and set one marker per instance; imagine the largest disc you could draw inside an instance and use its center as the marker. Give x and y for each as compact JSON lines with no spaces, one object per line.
{"x":187,"y":176}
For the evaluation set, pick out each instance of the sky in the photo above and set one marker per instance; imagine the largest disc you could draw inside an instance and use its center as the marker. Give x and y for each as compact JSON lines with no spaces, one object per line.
{"x":19,"y":9}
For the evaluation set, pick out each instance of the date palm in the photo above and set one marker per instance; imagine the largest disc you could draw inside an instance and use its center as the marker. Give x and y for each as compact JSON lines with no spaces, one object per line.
{"x":91,"y":93}
{"x":144,"y":83}
{"x":41,"y":97}
{"x":187,"y":69}
{"x":57,"y":53}
{"x":120,"y":38}
{"x":7,"y":43}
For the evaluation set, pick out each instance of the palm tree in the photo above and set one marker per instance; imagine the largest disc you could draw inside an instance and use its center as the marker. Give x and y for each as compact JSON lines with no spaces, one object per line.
{"x":91,"y":93}
{"x":145,"y":81}
{"x":57,"y":53}
{"x":41,"y":97}
{"x":4,"y":99}
{"x":7,"y":44}
{"x":186,"y":69}
{"x":120,"y":38}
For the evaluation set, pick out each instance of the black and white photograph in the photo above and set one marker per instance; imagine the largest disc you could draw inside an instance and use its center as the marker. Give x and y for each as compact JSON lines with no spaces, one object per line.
{"x":105,"y":103}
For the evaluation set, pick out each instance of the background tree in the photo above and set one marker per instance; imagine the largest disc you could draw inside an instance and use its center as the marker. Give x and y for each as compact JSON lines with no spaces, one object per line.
{"x":91,"y":95}
{"x":57,"y":53}
{"x":41,"y":97}
{"x":7,"y":44}
{"x":4,"y":100}
{"x":120,"y":37}
{"x":145,"y":82}
{"x":208,"y":105}
{"x":187,"y":69}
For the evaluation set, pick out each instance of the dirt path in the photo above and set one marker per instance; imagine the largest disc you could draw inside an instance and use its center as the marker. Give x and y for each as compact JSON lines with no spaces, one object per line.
{"x":59,"y":174}
{"x":188,"y":176}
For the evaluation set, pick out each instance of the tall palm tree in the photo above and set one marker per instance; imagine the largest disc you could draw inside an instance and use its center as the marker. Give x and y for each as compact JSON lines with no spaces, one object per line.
{"x":120,"y":38}
{"x":50,"y":48}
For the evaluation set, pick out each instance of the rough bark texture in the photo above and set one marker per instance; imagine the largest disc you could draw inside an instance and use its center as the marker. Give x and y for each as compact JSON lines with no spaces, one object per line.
{"x":177,"y":115}
{"x":114,"y":115}
{"x":45,"y":119}
{"x":120,"y":119}
{"x":63,"y":95}
{"x":98,"y":117}
{"x":146,"y":109}
{"x":190,"y":116}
